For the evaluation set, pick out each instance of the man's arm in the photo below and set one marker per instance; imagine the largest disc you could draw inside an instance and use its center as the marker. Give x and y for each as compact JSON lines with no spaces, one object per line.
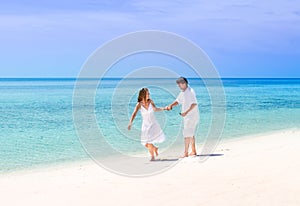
{"x":189,"y":109}
{"x":170,"y":107}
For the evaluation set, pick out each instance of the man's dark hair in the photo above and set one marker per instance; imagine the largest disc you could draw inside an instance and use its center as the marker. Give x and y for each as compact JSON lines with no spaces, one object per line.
{"x":182,"y":80}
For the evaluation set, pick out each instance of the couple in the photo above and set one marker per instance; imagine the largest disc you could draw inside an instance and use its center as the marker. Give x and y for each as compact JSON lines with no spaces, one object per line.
{"x":151,"y":131}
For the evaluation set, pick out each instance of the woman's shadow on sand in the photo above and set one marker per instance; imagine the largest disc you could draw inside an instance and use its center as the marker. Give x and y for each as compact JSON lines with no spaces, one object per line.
{"x":176,"y":159}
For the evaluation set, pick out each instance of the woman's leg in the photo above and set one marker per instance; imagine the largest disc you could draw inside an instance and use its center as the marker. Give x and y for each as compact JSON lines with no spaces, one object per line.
{"x":155,"y":150}
{"x":151,"y":150}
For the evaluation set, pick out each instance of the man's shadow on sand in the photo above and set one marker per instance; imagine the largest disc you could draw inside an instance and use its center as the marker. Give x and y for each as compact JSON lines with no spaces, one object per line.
{"x":176,"y":159}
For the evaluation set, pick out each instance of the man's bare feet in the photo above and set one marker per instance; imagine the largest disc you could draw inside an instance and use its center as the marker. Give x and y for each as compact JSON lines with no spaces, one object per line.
{"x":184,"y":155}
{"x":152,"y":159}
{"x":193,"y":154}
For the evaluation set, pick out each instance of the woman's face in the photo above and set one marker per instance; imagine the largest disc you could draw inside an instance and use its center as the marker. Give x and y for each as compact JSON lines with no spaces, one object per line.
{"x":147,"y":95}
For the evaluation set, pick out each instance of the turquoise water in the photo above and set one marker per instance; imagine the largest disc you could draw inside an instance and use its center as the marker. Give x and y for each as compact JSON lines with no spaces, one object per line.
{"x":37,"y":127}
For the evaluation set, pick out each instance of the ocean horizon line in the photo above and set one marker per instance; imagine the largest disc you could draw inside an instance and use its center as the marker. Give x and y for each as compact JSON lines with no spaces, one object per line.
{"x":134,"y":78}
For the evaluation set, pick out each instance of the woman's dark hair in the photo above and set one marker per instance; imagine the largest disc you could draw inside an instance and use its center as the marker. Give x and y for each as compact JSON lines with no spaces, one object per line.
{"x":182,"y":80}
{"x":142,"y":94}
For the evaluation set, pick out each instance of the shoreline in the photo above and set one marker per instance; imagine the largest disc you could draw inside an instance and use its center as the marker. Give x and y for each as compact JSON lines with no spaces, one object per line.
{"x":88,"y":160}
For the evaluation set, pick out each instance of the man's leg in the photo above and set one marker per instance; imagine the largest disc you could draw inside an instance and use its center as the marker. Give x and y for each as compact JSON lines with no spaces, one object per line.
{"x":193,"y":147}
{"x":187,"y":141}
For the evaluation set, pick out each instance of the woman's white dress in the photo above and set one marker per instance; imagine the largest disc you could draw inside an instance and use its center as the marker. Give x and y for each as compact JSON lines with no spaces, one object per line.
{"x":151,"y":131}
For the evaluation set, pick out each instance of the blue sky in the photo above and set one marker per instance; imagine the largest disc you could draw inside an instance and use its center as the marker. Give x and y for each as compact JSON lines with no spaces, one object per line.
{"x":243,"y":38}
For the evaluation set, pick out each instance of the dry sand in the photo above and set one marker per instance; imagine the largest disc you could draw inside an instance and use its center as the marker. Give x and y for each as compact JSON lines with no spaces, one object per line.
{"x":261,"y":170}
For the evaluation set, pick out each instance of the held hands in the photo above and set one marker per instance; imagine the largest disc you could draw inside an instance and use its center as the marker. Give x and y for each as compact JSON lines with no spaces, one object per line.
{"x":168,"y":108}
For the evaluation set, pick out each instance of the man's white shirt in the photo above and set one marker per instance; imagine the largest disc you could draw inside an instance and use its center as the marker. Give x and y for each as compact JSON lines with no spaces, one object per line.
{"x":186,"y":99}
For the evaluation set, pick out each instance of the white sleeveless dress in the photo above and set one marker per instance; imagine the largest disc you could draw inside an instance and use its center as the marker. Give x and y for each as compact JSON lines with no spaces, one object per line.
{"x":151,"y":131}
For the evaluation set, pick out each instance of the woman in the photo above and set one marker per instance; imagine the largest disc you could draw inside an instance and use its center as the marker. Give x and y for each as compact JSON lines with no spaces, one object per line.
{"x":151,"y":131}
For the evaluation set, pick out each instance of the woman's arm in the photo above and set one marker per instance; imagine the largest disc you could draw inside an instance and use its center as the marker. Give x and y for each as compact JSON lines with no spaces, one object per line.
{"x":136,"y":109}
{"x":156,"y":109}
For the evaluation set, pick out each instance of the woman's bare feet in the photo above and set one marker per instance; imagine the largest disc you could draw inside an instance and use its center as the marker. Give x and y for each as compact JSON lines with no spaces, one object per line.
{"x":152,"y":159}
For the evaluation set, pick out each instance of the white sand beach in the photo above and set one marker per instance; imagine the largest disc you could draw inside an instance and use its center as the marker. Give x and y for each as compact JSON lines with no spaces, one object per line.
{"x":261,"y":170}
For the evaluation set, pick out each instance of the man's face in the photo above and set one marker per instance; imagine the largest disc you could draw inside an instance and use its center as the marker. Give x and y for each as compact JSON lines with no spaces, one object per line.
{"x":182,"y":86}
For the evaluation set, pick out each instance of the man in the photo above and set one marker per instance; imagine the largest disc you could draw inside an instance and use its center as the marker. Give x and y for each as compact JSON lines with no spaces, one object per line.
{"x":189,"y":112}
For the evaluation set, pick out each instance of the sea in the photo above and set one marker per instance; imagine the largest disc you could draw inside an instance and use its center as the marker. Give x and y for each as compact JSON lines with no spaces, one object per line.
{"x":37,"y":114}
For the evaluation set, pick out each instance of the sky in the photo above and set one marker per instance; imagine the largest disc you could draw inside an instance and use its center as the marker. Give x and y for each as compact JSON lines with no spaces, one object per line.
{"x":242,"y":38}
